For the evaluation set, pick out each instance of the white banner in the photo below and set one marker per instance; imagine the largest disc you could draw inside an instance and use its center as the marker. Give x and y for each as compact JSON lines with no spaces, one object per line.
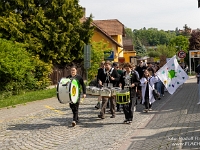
{"x":172,"y":75}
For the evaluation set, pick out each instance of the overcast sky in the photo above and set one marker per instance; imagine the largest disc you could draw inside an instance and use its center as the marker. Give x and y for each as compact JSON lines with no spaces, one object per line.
{"x":136,"y":14}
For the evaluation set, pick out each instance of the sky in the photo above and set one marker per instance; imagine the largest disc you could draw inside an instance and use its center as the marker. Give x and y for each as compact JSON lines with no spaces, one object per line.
{"x":137,"y":14}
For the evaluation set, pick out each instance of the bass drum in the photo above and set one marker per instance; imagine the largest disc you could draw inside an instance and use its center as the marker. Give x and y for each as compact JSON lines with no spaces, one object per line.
{"x":68,"y":91}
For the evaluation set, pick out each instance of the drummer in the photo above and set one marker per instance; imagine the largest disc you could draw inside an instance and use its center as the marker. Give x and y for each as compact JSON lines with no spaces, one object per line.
{"x":74,"y":107}
{"x":129,"y":79}
{"x":108,"y":77}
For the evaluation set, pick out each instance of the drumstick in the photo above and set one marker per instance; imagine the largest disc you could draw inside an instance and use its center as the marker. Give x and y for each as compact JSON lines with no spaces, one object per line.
{"x":82,"y":99}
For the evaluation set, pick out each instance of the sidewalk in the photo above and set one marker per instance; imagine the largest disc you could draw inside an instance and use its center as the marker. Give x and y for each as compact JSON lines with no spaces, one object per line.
{"x":176,"y":125}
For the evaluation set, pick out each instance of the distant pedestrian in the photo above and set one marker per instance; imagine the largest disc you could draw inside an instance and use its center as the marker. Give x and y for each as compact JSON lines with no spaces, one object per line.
{"x":197,"y":70}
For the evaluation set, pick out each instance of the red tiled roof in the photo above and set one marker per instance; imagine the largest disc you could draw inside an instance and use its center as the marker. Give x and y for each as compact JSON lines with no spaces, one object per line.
{"x":102,"y":30}
{"x":106,"y":34}
{"x":111,"y":27}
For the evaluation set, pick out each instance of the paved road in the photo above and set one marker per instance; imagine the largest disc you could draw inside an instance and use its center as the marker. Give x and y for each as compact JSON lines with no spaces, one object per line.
{"x":46,"y":124}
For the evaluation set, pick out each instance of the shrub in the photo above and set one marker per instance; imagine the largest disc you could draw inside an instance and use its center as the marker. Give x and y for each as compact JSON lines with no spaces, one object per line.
{"x":20,"y":71}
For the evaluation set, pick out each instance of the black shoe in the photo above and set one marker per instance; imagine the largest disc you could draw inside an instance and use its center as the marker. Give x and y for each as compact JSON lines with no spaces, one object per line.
{"x":96,"y":107}
{"x":102,"y":117}
{"x":129,"y":122}
{"x":113,"y":116}
{"x":125,"y":121}
{"x":73,"y":123}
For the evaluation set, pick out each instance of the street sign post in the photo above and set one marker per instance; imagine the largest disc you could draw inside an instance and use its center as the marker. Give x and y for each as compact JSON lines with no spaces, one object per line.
{"x":87,"y":58}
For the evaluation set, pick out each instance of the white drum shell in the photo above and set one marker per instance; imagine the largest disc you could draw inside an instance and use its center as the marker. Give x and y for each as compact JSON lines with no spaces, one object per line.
{"x":63,"y":92}
{"x":89,"y":89}
{"x":105,"y":92}
{"x":115,"y":90}
{"x":95,"y":91}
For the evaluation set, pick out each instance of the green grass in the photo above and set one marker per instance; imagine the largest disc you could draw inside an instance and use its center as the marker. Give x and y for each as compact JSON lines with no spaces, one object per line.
{"x":27,"y":97}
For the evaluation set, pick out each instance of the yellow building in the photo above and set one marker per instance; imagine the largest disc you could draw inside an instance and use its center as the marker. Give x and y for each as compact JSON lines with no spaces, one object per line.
{"x":111,"y":32}
{"x":129,"y":53}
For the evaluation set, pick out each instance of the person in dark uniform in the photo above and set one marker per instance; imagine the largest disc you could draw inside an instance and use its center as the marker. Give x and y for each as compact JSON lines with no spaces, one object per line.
{"x":100,"y":70}
{"x":75,"y":107}
{"x":107,"y":77}
{"x":120,"y":72}
{"x":130,"y":79}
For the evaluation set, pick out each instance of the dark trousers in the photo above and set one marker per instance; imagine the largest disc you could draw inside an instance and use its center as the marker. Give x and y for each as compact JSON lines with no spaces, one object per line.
{"x":74,"y":108}
{"x":104,"y":105}
{"x":162,"y":89}
{"x":129,"y":109}
{"x":118,"y":107}
{"x":147,"y":104}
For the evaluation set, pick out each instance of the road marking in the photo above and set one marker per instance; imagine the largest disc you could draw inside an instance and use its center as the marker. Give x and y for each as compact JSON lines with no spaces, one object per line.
{"x":53,"y":109}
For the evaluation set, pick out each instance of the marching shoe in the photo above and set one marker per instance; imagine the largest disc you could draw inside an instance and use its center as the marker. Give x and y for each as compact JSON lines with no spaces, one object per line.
{"x":150,"y":109}
{"x":113,"y":116}
{"x":97,"y":106}
{"x":73,"y":123}
{"x":145,"y":110}
{"x":129,"y":122}
{"x":102,"y":117}
{"x":125,"y":121}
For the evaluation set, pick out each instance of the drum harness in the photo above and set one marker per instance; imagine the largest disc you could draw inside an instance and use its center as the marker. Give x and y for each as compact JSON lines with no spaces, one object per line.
{"x":108,"y":73}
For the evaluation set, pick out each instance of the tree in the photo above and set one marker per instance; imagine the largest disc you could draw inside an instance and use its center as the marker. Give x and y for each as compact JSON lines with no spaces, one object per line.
{"x":140,"y":49}
{"x":180,"y":42}
{"x":50,"y":28}
{"x":194,"y":41}
{"x":98,"y":49}
{"x":168,"y":51}
{"x":153,"y":36}
{"x":186,"y":31}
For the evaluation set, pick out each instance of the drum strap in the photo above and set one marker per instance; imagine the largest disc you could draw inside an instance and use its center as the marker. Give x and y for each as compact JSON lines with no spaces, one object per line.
{"x":108,"y":74}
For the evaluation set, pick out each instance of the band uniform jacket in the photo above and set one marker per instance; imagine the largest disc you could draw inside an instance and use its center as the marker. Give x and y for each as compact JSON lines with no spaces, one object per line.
{"x":80,"y":80}
{"x":134,"y":80}
{"x":105,"y":76}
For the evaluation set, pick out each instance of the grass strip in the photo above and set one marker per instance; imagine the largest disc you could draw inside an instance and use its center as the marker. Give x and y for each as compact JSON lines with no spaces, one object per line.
{"x":28,"y":97}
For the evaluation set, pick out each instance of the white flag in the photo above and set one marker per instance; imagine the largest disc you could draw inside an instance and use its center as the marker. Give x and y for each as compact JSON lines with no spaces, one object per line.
{"x":172,"y":75}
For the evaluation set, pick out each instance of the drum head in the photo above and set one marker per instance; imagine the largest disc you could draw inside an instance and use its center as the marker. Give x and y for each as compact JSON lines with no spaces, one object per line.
{"x":62,"y":92}
{"x":74,"y":91}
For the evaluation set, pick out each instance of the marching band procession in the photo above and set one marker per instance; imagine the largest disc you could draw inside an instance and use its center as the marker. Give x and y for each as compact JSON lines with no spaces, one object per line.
{"x":117,"y":86}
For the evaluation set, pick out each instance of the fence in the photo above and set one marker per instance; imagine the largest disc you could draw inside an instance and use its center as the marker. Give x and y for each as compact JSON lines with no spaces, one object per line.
{"x":58,"y":73}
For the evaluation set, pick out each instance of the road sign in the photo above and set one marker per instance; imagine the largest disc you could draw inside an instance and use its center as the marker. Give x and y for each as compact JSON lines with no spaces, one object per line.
{"x":181,"y":54}
{"x":109,"y":55}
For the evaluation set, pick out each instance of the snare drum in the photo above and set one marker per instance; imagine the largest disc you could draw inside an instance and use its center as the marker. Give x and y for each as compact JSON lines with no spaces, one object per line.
{"x":114,"y":90}
{"x":95,"y":91}
{"x":105,"y":92}
{"x":89,"y":89}
{"x":123,"y":97}
{"x":107,"y":85}
{"x":68,"y":91}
